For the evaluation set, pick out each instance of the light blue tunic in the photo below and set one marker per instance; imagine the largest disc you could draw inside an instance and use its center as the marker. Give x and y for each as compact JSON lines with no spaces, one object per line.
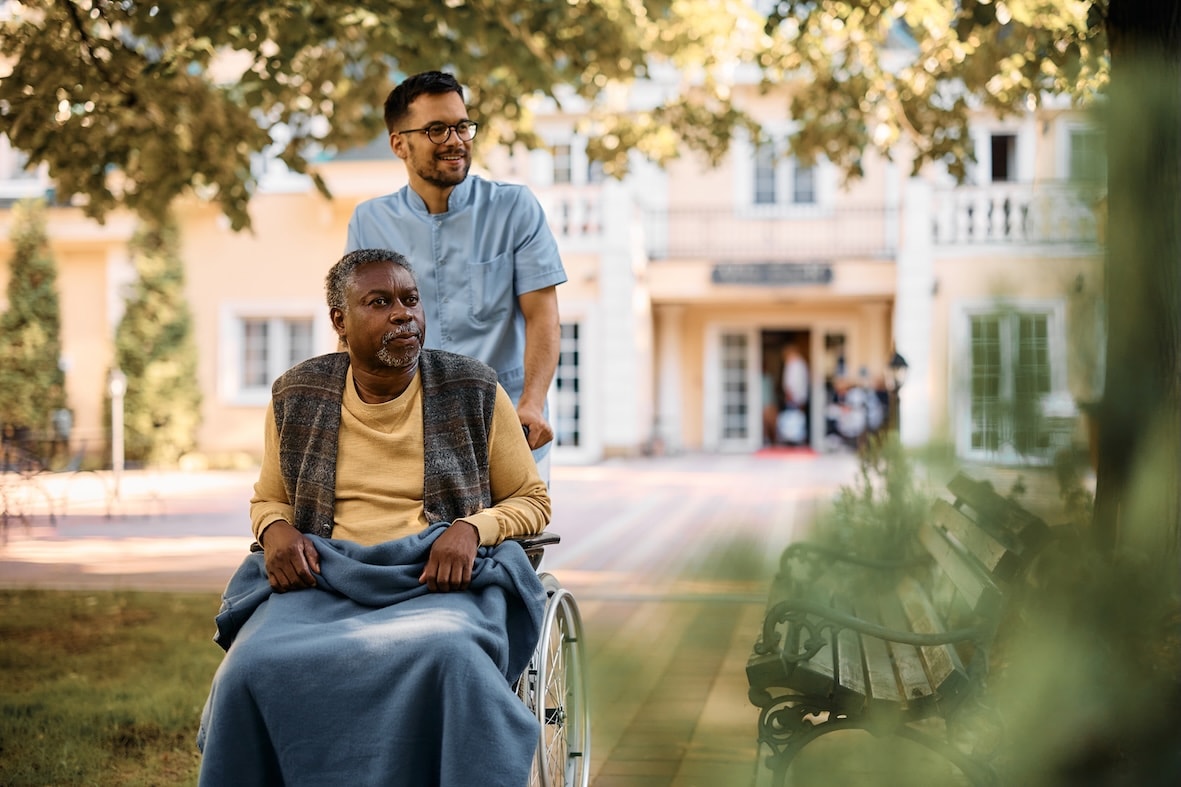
{"x":492,"y":245}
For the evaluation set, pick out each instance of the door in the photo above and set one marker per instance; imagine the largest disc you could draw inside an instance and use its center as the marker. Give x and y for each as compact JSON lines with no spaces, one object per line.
{"x":732,"y":393}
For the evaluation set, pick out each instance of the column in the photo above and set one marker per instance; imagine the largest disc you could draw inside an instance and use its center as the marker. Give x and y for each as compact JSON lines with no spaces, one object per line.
{"x":913,"y":312}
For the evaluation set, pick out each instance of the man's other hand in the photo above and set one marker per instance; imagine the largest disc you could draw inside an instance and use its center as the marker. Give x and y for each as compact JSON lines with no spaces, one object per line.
{"x":290,"y":558}
{"x":453,"y":554}
{"x":538,"y":432}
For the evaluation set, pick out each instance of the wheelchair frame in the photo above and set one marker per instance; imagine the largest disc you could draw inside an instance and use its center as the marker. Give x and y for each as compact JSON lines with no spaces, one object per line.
{"x":553,"y":686}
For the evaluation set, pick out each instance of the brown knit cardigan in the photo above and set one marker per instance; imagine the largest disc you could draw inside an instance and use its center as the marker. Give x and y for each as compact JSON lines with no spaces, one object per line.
{"x":458,"y":399}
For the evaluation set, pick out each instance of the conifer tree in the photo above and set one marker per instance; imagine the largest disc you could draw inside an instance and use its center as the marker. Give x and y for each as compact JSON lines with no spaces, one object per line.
{"x":31,"y":380}
{"x":154,"y":348}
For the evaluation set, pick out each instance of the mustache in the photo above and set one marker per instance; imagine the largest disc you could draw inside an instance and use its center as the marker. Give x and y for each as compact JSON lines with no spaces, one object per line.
{"x":408,"y":330}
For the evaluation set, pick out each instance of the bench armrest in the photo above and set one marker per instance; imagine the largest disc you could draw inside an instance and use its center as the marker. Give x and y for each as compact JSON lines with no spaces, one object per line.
{"x":813,"y":618}
{"x":807,"y":551}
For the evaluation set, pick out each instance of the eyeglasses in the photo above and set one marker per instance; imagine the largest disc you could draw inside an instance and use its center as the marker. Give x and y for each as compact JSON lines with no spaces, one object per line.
{"x":439,"y":133}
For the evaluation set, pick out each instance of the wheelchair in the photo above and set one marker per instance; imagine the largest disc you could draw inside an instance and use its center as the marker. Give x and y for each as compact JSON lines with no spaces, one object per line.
{"x":553,"y":686}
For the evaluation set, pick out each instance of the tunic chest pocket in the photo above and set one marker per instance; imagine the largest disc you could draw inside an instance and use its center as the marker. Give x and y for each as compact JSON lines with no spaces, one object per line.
{"x":491,"y":286}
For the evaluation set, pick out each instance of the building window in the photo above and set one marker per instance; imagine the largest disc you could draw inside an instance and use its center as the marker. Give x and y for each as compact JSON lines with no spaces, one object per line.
{"x":1088,"y":156}
{"x":562,"y":170}
{"x":735,"y":389}
{"x":594,"y":172}
{"x":258,"y":340}
{"x":764,"y":193}
{"x":781,"y":181}
{"x":1011,"y":378}
{"x":271,"y":346}
{"x":254,"y":353}
{"x":1004,"y":158}
{"x":567,"y":396}
{"x":803,"y":185}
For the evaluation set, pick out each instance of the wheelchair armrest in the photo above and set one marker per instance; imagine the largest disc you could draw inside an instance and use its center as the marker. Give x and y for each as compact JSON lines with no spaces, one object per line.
{"x":535,"y":545}
{"x":536,"y":541}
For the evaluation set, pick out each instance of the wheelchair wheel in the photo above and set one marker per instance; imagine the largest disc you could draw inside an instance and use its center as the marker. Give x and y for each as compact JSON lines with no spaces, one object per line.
{"x":554,"y":688}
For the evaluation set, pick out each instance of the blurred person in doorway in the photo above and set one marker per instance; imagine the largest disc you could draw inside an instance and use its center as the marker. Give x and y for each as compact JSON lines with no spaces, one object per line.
{"x":796,"y":385}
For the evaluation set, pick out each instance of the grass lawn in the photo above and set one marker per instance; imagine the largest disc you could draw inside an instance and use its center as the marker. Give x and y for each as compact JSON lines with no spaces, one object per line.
{"x":103,"y":688}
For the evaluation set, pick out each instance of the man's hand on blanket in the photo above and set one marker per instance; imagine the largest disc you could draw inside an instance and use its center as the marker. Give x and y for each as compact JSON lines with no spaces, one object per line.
{"x":449,"y":566}
{"x":290,"y":557}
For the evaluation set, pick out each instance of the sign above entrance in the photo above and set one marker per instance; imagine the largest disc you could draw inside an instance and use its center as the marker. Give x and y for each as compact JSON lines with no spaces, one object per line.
{"x":772,"y":274}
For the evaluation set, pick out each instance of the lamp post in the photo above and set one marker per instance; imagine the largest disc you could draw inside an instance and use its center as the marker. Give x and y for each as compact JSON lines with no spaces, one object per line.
{"x":117,"y":387}
{"x":898,"y":369}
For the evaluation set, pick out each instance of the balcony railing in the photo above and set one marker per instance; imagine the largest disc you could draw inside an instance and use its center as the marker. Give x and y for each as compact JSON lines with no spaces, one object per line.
{"x":575,"y":214}
{"x":802,"y":233}
{"x":1015,"y":213}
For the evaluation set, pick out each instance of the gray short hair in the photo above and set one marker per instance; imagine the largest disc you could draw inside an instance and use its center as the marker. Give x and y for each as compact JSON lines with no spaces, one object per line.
{"x":340,"y":276}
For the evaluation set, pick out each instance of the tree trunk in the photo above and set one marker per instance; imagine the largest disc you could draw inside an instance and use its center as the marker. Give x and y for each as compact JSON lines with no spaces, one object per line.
{"x":1137,"y":502}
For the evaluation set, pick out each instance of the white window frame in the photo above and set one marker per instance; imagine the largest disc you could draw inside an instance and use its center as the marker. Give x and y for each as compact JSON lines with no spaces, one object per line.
{"x":713,"y":394}
{"x":960,"y":363}
{"x":595,"y":173}
{"x":1024,"y":156}
{"x":578,"y":397}
{"x":231,"y":318}
{"x":1064,"y":144}
{"x":744,"y":157}
{"x":565,"y":150}
{"x":563,"y":163}
{"x":584,"y":314}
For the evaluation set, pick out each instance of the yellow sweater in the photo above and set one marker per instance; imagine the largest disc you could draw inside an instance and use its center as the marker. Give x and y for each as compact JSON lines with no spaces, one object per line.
{"x":379,"y":473}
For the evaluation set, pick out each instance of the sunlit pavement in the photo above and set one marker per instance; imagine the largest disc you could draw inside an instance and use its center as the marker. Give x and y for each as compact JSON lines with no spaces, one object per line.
{"x":157,"y":530}
{"x":627,"y":526}
{"x":669,"y":558}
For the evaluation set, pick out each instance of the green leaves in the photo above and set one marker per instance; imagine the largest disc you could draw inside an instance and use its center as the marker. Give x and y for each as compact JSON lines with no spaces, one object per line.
{"x":155,"y":348}
{"x":875,"y":74}
{"x":136,"y":104}
{"x":30,"y":328}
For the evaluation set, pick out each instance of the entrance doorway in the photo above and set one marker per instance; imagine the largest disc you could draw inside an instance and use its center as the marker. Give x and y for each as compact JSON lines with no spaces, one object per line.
{"x":787,"y":371}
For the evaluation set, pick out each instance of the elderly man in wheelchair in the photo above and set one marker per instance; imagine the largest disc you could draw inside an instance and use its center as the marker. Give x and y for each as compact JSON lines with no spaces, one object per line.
{"x":388,"y":621}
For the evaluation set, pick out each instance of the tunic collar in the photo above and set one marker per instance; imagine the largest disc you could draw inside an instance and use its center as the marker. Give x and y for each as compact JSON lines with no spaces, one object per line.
{"x":457,"y":200}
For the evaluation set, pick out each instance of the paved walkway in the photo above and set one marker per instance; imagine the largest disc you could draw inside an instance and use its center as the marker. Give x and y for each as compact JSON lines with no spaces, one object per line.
{"x":669,"y":559}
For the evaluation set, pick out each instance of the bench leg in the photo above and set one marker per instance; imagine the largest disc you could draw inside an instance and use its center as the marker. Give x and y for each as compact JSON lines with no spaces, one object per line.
{"x":790,"y":724}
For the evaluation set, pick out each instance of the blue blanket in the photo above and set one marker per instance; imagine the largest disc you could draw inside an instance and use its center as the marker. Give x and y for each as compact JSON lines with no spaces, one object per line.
{"x":371,"y":679}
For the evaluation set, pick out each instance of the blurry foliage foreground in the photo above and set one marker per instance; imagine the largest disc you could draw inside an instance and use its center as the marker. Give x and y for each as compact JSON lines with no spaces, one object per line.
{"x":1085,"y":678}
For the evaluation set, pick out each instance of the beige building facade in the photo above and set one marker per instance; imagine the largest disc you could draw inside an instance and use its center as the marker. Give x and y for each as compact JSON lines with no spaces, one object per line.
{"x":685,"y":286}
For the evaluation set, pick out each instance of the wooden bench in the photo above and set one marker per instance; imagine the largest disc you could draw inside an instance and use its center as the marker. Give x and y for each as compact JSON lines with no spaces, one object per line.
{"x":851,"y":643}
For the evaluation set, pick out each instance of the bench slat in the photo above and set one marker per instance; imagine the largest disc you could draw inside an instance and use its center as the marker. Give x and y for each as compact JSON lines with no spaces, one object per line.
{"x":850,"y":666}
{"x":879,"y":667}
{"x":944,"y":667}
{"x":978,"y":590}
{"x":1002,"y":517}
{"x":1000,"y":561}
{"x":954,"y":609}
{"x":908,"y":663}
